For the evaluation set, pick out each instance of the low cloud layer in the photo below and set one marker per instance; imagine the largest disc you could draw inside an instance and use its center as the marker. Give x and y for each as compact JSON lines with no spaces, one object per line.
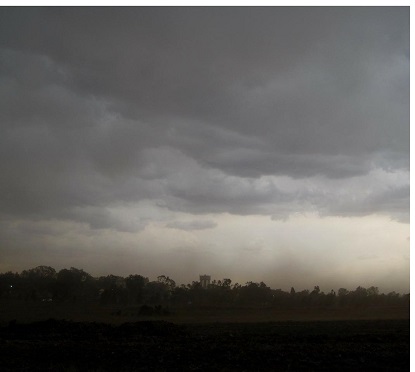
{"x":188,"y":106}
{"x":192,"y":225}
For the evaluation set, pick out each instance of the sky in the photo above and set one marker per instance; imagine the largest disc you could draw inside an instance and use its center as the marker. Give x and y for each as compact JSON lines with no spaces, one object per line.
{"x":257,"y":144}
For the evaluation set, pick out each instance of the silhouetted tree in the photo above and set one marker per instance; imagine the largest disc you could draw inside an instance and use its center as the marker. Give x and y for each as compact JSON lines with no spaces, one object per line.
{"x":112,"y":290}
{"x":75,"y":284}
{"x":135,"y":285}
{"x":39,"y":282}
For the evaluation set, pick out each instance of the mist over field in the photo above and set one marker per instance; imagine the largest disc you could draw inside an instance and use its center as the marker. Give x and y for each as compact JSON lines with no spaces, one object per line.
{"x":257,"y":144}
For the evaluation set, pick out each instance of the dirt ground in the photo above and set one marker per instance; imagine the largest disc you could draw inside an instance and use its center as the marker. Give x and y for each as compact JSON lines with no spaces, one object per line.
{"x":59,"y":345}
{"x":26,"y":312}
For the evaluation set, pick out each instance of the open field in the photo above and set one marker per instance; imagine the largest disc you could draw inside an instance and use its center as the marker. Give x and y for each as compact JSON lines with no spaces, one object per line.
{"x":91,"y":337}
{"x":24,"y":312}
{"x":380,"y":345}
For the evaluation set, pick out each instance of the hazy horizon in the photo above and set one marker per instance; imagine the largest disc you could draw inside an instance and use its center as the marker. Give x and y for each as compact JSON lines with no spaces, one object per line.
{"x":263,"y":144}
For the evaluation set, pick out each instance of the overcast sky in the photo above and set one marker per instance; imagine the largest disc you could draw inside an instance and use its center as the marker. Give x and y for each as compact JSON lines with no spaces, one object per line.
{"x":251,"y":143}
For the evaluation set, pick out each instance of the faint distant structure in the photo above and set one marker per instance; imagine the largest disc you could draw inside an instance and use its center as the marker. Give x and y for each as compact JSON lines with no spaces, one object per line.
{"x":204,"y":281}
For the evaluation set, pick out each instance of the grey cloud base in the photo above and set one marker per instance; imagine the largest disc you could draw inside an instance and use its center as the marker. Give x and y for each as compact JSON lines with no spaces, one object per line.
{"x":189,"y":109}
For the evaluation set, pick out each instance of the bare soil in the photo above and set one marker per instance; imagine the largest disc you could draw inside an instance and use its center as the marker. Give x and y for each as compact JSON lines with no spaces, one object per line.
{"x":60,"y":345}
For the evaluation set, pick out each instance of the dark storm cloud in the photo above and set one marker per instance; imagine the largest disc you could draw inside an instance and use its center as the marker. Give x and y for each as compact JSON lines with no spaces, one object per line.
{"x":192,"y":107}
{"x":393,"y":202}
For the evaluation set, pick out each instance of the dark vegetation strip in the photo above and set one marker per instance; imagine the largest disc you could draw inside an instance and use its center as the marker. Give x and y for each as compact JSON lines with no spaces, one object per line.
{"x":44,"y":284}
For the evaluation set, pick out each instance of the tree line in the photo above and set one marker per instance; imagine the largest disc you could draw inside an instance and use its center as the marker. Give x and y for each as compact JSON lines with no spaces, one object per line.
{"x":44,"y":283}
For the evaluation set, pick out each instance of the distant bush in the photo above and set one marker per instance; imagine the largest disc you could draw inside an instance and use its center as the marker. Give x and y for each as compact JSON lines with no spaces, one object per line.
{"x":156,"y":297}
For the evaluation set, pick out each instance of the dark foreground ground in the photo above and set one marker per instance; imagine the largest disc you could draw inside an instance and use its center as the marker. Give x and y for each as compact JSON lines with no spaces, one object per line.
{"x":59,"y":345}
